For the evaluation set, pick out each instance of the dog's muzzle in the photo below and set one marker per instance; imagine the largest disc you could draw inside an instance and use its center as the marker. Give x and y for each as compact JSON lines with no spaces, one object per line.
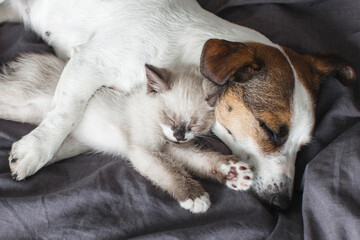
{"x":277,"y":195}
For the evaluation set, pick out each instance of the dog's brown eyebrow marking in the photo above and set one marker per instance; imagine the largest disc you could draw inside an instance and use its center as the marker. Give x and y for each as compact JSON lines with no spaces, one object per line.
{"x":230,"y":108}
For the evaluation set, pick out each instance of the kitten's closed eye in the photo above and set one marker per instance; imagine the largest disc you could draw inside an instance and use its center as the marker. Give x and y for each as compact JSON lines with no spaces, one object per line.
{"x":201,"y":124}
{"x":168,"y":119}
{"x":172,"y":121}
{"x":195,"y":128}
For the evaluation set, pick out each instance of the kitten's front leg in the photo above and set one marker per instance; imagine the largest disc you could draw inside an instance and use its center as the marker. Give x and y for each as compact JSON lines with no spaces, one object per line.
{"x":71,"y":147}
{"x":227,"y":169}
{"x":171,"y":177}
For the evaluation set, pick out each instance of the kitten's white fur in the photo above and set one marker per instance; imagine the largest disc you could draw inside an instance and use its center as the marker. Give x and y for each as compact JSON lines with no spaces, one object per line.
{"x":132,"y":125}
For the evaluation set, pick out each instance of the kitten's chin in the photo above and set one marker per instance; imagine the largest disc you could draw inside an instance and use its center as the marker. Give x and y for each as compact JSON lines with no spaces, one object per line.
{"x":173,"y":140}
{"x":177,"y":142}
{"x":169,"y":135}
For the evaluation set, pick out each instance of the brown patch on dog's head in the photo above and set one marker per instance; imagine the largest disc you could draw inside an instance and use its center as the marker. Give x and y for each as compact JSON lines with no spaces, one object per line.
{"x":239,"y":120}
{"x":239,"y":113}
{"x":260,"y":84}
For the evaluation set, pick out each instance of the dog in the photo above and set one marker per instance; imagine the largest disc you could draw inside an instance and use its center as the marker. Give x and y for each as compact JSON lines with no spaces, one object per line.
{"x":264,"y":115}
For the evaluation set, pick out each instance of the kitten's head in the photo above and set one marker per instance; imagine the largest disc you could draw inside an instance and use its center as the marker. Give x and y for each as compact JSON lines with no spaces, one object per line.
{"x":189,"y":101}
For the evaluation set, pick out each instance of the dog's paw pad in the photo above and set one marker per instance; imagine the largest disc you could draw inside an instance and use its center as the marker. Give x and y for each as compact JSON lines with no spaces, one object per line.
{"x":198,"y":205}
{"x":238,"y":175}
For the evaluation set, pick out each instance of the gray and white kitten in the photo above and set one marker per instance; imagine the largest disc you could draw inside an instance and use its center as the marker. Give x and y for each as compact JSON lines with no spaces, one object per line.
{"x":152,"y":126}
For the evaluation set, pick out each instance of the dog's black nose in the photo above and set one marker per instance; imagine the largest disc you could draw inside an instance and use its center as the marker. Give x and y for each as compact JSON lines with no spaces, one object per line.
{"x":179,"y":133}
{"x":281,"y":201}
{"x":276,"y":195}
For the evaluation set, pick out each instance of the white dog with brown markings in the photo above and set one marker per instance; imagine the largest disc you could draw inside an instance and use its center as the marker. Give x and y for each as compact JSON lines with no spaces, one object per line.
{"x":265,"y":114}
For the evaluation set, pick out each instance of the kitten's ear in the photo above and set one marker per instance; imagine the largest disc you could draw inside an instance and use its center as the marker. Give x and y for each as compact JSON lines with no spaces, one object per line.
{"x":212,"y":92}
{"x":157,"y":79}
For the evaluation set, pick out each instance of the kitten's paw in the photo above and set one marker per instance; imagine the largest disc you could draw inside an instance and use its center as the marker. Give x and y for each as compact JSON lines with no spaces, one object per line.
{"x":198,"y":205}
{"x":26,"y":158}
{"x":238,"y":175}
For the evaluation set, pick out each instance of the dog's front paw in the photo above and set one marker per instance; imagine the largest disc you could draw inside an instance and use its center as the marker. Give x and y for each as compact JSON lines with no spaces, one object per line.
{"x":238,"y":175}
{"x":198,"y":205}
{"x":26,"y":157}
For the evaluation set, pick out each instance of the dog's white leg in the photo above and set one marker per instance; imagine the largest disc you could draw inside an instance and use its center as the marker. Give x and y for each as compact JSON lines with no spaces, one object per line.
{"x":7,"y":13}
{"x":164,"y":172}
{"x":236,"y":174}
{"x":70,"y":148}
{"x":77,"y":84}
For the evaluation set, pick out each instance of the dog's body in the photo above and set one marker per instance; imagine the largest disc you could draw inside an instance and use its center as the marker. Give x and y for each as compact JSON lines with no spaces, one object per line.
{"x":265,"y":114}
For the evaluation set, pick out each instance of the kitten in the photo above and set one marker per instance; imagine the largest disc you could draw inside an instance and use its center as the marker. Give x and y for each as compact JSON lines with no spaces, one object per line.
{"x":153,"y":126}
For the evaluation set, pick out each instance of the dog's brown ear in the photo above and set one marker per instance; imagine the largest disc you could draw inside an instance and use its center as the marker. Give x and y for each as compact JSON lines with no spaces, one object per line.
{"x":157,"y":79}
{"x":326,"y":64}
{"x":221,"y":60}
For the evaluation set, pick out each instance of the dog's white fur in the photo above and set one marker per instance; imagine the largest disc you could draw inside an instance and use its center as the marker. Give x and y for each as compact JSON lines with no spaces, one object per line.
{"x":107,"y":43}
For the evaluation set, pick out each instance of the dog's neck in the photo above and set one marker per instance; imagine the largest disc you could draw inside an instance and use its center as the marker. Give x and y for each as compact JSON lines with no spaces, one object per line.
{"x":194,"y":31}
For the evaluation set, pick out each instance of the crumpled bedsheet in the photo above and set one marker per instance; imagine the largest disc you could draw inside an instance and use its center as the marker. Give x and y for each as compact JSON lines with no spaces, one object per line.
{"x":102,"y":197}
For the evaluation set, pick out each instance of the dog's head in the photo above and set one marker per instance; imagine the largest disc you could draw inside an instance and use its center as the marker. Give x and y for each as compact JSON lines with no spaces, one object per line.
{"x":267,"y":110}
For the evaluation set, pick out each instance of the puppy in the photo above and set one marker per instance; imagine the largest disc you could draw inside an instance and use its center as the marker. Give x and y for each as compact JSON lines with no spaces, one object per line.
{"x":265,"y":114}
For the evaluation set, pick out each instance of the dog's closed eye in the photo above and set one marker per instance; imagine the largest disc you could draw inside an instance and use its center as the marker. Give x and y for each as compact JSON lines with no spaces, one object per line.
{"x":276,"y":137}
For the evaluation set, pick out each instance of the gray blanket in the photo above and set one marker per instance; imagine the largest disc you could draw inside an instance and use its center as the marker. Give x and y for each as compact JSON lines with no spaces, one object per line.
{"x":102,"y":197}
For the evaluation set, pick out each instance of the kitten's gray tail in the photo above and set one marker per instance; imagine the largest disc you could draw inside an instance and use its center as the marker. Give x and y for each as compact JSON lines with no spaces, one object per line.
{"x":27,"y":86}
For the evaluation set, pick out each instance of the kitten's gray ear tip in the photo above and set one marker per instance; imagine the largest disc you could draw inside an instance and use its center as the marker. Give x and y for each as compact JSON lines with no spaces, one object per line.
{"x":161,"y":72}
{"x":149,"y":67}
{"x":157,"y":79}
